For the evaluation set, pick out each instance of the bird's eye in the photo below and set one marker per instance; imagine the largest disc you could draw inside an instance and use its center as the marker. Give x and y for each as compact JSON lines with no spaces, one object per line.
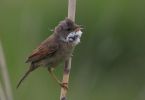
{"x":68,"y":29}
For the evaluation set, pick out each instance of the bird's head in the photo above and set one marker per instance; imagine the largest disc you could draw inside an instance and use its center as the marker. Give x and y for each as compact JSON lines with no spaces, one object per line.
{"x":68,"y":31}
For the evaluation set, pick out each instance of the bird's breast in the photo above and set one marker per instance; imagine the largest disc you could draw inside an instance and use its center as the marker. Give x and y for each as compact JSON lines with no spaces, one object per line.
{"x":65,"y":51}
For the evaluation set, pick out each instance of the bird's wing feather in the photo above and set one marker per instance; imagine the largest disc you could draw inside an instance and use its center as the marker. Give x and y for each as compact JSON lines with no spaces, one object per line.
{"x":45,"y":49}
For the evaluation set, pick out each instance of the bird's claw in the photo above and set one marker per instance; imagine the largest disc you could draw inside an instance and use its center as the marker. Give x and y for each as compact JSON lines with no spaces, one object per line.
{"x":64,"y":85}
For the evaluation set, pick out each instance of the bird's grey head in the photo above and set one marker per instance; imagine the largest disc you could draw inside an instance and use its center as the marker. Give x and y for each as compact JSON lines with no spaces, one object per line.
{"x":66,"y":30}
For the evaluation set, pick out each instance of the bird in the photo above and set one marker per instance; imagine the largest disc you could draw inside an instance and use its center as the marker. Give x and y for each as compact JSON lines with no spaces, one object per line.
{"x":57,"y":48}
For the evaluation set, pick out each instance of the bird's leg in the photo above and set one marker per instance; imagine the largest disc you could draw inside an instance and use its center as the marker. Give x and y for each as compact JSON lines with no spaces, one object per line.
{"x":53,"y":75}
{"x":50,"y":70}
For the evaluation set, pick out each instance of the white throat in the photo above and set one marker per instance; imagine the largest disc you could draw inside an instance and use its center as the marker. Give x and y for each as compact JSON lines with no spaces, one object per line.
{"x":74,"y":37}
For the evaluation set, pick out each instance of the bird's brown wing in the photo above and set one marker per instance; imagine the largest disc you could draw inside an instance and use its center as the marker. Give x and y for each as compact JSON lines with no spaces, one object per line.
{"x":45,"y":49}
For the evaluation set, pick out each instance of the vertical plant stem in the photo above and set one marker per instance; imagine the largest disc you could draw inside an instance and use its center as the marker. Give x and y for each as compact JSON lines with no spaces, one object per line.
{"x":67,"y":67}
{"x":5,"y":76}
{"x":71,"y":9}
{"x":66,"y":74}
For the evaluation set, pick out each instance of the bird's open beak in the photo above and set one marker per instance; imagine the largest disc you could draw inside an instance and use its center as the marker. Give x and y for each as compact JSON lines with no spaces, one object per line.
{"x":78,"y":28}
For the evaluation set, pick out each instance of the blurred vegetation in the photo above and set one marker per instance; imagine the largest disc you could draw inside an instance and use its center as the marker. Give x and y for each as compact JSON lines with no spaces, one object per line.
{"x":109,"y":64}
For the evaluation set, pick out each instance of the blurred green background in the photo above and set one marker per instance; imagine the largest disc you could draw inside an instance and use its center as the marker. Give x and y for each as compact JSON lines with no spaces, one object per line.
{"x":108,"y":64}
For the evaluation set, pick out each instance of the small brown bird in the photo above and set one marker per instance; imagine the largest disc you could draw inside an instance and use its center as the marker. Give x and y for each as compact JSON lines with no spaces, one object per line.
{"x":56,"y":48}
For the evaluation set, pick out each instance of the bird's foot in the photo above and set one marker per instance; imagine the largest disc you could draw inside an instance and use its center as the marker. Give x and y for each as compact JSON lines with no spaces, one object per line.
{"x":64,"y":85}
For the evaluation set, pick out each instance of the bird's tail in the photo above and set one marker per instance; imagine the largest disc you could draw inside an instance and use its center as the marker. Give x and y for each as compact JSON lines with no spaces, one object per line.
{"x":25,"y":75}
